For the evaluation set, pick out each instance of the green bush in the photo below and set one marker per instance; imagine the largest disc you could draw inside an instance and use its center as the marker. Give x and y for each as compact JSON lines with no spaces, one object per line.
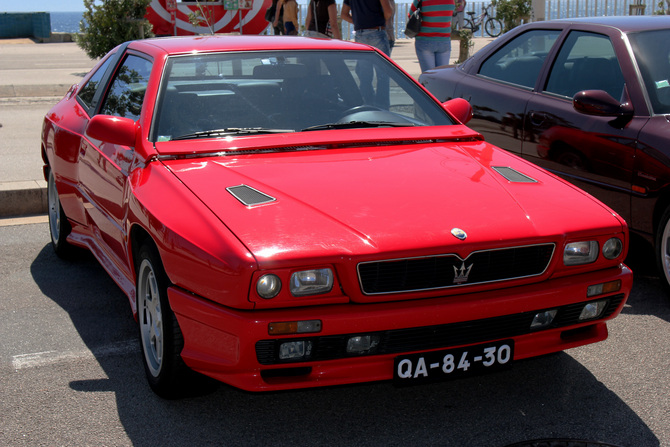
{"x":511,"y":12}
{"x":111,"y":23}
{"x":664,"y":8}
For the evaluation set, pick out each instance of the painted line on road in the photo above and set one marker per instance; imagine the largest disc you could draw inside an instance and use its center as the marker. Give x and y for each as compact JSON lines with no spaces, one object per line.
{"x":37,"y":359}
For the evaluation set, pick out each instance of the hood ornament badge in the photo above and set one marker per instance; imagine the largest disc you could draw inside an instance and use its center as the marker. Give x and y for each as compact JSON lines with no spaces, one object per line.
{"x":459,"y":234}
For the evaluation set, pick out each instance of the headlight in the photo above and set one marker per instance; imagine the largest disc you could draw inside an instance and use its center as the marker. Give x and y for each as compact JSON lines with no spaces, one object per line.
{"x":578,"y":253}
{"x":612,"y":248}
{"x":311,"y":282}
{"x":268,"y":286}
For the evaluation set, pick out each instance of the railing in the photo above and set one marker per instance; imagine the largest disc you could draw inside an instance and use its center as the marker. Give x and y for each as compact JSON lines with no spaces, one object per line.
{"x":554,"y":9}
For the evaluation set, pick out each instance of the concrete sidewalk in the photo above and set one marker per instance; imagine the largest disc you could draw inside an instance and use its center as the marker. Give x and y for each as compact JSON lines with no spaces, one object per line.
{"x":34,"y":77}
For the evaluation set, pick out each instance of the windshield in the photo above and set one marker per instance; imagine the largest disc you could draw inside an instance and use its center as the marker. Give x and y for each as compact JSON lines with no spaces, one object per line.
{"x":242,"y":93}
{"x":652,"y":52}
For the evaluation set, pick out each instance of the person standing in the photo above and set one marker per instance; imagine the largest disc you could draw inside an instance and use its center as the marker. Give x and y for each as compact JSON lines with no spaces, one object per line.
{"x":321,"y":19}
{"x":369,"y":20}
{"x":390,"y":27}
{"x":459,"y":15}
{"x":433,"y":43}
{"x":290,"y":16}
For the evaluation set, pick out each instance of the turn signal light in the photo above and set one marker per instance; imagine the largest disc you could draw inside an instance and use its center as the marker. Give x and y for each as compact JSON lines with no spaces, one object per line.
{"x":294,"y":327}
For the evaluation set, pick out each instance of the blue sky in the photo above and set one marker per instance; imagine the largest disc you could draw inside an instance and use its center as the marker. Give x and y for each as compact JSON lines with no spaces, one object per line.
{"x":41,"y":5}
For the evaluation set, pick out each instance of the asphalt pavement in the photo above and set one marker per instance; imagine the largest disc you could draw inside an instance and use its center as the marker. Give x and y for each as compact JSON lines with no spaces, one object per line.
{"x":34,"y":76}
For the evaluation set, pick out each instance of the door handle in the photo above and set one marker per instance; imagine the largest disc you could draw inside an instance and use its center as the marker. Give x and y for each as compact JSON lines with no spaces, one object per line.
{"x":537,"y":118}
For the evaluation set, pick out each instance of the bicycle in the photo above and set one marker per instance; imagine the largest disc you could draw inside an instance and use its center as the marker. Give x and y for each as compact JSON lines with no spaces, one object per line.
{"x":492,"y":26}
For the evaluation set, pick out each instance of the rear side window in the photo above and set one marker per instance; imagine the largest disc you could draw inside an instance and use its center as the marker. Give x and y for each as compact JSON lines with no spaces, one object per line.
{"x":126,"y":93}
{"x":586,"y":61}
{"x":520,"y":61}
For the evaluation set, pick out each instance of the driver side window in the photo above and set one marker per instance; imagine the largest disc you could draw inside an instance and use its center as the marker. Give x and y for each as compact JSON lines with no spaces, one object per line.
{"x":586,"y":62}
{"x":126,"y":94}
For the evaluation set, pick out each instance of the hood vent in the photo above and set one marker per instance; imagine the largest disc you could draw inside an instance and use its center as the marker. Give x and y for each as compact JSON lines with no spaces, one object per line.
{"x":513,"y":175}
{"x":249,"y":196}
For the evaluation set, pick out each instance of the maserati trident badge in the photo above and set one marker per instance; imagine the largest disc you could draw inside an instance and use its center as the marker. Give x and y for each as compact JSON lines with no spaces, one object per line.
{"x":461,"y":274}
{"x":459,"y":234}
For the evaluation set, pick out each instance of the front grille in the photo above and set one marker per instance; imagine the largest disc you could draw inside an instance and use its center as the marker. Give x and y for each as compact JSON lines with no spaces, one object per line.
{"x":437,"y":272}
{"x":398,"y":341}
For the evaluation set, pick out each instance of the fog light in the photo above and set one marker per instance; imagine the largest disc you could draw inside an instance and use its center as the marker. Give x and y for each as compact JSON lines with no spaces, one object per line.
{"x":543,"y":319}
{"x":362,"y":344}
{"x":606,"y":287}
{"x":593,"y":310}
{"x":297,"y":349}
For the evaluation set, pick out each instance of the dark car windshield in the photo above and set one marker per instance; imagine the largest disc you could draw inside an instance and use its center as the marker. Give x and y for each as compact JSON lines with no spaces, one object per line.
{"x":653,"y":57}
{"x":225,"y":94}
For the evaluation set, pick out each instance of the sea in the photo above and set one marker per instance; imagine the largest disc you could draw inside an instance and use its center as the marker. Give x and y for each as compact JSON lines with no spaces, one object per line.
{"x":65,"y":22}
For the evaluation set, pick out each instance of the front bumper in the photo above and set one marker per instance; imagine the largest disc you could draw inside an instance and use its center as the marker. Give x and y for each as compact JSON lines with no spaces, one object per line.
{"x":234,"y":346}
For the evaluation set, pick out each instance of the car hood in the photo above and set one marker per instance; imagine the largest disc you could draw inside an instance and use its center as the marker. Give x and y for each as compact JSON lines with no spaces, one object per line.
{"x":360,"y":202}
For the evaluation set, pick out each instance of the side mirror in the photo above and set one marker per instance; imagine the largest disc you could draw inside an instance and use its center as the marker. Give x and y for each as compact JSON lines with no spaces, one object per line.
{"x":599,"y":102}
{"x":459,"y":108}
{"x":112,"y":129}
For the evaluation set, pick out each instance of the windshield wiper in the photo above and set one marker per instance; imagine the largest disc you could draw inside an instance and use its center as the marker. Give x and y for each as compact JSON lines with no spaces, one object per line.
{"x":230,"y":131}
{"x":356,"y":124}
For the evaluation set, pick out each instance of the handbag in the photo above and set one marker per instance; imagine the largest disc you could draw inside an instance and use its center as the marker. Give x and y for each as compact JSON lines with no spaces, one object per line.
{"x":414,"y":23}
{"x":270,"y":13}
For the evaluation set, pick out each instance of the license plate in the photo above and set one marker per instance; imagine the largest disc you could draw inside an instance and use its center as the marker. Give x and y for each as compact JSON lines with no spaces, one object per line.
{"x":452,"y":363}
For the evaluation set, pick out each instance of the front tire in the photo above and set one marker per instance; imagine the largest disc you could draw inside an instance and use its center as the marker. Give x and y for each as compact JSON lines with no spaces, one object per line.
{"x":662,"y":248}
{"x":160,"y":336}
{"x":59,"y":227}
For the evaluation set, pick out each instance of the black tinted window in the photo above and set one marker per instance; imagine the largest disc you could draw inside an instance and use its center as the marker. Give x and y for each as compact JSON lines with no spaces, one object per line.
{"x":520,"y":61}
{"x":586,"y":62}
{"x":126,"y":93}
{"x":653,"y":57}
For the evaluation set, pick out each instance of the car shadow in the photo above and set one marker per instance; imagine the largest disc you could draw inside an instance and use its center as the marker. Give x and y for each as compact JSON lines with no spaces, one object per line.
{"x":552,"y":396}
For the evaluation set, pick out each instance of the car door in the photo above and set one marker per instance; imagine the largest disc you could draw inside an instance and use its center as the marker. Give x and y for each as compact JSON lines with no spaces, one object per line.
{"x":504,"y":84}
{"x":104,"y":167}
{"x":597,"y":153}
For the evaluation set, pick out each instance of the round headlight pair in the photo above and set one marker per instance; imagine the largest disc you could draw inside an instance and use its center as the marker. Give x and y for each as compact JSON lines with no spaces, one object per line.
{"x":612,"y":248}
{"x":268,"y":286}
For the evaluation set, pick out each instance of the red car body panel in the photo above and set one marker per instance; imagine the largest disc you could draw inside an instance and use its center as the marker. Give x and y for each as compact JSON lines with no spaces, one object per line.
{"x":354,"y":196}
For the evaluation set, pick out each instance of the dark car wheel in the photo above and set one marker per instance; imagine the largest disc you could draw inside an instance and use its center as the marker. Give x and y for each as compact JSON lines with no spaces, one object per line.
{"x":160,"y":336}
{"x":663,"y":248}
{"x":59,"y":227}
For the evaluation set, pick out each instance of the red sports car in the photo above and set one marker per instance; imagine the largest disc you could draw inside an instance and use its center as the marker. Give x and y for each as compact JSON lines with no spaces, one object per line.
{"x":292,"y":212}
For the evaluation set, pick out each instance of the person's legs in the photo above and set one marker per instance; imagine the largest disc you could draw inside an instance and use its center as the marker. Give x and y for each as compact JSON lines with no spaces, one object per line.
{"x":432,"y":53}
{"x":375,"y":38}
{"x":424,"y":53}
{"x":442,"y":52}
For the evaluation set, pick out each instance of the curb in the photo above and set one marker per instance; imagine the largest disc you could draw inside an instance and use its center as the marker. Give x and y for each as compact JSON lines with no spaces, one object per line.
{"x":31,"y":90}
{"x":23,"y":198}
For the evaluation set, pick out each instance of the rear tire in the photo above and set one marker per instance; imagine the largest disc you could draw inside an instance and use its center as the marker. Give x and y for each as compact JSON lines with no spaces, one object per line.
{"x":59,"y":227}
{"x":160,"y":336}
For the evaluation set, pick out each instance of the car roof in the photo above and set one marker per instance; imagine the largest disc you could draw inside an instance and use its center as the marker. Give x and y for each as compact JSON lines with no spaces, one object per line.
{"x":218,"y":43}
{"x":626,"y":24}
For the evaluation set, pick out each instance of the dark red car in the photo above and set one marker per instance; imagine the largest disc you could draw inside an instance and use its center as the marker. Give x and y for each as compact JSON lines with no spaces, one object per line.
{"x":588,"y":99}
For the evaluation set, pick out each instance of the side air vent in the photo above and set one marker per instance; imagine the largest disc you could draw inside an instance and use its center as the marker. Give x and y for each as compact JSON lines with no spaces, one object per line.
{"x":513,"y":175}
{"x":249,"y":196}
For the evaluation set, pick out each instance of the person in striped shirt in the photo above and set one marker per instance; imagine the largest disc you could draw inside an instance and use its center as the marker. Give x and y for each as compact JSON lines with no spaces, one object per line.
{"x":433,"y":43}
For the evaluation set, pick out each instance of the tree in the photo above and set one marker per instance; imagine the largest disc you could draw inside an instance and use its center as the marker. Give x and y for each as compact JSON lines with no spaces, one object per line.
{"x":510,"y":12}
{"x":111,"y":23}
{"x":664,"y":8}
